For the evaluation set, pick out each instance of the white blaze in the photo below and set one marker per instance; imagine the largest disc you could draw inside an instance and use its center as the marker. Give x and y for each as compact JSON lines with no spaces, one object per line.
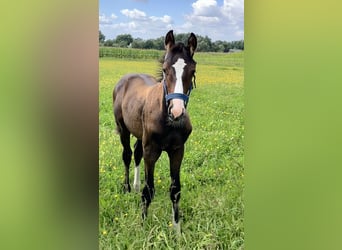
{"x":179,"y":67}
{"x":178,"y":104}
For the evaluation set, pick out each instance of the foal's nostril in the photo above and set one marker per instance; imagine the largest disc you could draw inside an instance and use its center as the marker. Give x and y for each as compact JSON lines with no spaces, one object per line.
{"x":169,"y":110}
{"x":183,"y":111}
{"x":175,"y":116}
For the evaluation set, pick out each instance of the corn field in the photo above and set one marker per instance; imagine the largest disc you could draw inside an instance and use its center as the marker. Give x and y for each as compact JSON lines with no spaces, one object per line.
{"x":129,"y":53}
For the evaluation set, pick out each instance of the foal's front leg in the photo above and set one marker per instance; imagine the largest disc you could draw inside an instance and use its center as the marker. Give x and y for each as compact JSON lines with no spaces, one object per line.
{"x":176,"y":157}
{"x":151,"y":154}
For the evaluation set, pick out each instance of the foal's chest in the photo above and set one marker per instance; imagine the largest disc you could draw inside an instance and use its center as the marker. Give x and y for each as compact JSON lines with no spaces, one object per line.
{"x":173,"y":139}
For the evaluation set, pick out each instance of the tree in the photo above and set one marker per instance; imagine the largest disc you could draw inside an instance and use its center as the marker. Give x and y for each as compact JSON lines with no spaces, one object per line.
{"x":108,"y":43}
{"x":101,"y":37}
{"x":124,"y":40}
{"x":148,"y":44}
{"x":204,"y":43}
{"x":238,"y":44}
{"x":138,"y":43}
{"x":217,"y":46}
{"x":182,"y":37}
{"x":159,"y":43}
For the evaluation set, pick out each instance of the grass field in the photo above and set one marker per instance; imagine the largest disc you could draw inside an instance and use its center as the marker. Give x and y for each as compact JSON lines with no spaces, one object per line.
{"x":211,"y":174}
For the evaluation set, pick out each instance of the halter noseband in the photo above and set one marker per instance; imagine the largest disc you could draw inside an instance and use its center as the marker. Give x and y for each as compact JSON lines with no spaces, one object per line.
{"x":169,"y":97}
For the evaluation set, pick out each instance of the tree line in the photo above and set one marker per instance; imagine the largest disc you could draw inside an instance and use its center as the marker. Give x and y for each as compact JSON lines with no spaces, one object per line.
{"x":204,"y":44}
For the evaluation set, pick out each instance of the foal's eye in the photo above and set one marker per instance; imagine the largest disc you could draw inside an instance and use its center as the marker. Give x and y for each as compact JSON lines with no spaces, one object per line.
{"x":164,"y":70}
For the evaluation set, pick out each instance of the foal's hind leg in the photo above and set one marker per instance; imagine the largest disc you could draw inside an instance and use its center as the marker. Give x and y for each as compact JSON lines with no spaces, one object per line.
{"x":126,"y":156}
{"x":138,"y":152}
{"x":175,"y":157}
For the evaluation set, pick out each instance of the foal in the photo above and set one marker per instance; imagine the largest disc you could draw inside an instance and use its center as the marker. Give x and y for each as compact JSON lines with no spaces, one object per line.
{"x":155,"y":113}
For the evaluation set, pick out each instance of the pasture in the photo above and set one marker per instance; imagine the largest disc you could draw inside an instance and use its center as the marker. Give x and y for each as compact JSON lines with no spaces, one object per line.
{"x":212,"y":172}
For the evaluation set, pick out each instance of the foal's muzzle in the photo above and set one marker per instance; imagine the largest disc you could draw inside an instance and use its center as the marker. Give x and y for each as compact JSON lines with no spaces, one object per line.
{"x":176,"y":103}
{"x":175,"y":115}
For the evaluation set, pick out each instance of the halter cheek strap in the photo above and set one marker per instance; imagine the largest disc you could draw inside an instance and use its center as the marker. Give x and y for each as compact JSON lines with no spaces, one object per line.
{"x":169,"y":97}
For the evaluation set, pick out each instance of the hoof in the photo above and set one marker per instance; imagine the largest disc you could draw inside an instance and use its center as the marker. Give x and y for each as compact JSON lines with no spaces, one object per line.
{"x":177,"y":228}
{"x":126,"y":188}
{"x":136,"y":187}
{"x":144,"y":210}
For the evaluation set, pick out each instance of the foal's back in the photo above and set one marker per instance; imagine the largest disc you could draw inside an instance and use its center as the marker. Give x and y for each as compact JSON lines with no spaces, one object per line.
{"x":132,"y":81}
{"x":130,"y":95}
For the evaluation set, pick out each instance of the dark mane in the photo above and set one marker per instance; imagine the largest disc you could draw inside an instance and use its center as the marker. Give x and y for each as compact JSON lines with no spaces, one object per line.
{"x":159,"y":71}
{"x":178,"y":48}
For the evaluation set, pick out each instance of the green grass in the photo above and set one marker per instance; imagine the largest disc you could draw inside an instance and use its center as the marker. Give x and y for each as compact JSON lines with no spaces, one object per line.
{"x":211,"y":174}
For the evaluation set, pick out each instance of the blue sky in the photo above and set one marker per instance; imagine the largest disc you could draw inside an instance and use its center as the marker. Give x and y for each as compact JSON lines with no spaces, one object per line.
{"x":217,"y":19}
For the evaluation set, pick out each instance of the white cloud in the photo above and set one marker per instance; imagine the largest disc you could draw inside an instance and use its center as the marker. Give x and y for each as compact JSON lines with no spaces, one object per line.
{"x":186,"y":26}
{"x":134,"y":14}
{"x":239,"y":33}
{"x":233,"y":10}
{"x":138,"y":24}
{"x":207,"y":20}
{"x":205,"y":8}
{"x":104,"y":20}
{"x":217,"y":22}
{"x":167,"y":19}
{"x":132,"y":25}
{"x":164,"y":19}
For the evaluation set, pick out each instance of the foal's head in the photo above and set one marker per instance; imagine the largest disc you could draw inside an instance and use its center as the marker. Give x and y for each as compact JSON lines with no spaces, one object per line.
{"x":178,"y":72}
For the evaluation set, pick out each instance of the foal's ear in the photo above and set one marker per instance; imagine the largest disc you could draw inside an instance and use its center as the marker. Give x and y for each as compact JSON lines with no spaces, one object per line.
{"x":192,"y":43}
{"x":169,"y":40}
